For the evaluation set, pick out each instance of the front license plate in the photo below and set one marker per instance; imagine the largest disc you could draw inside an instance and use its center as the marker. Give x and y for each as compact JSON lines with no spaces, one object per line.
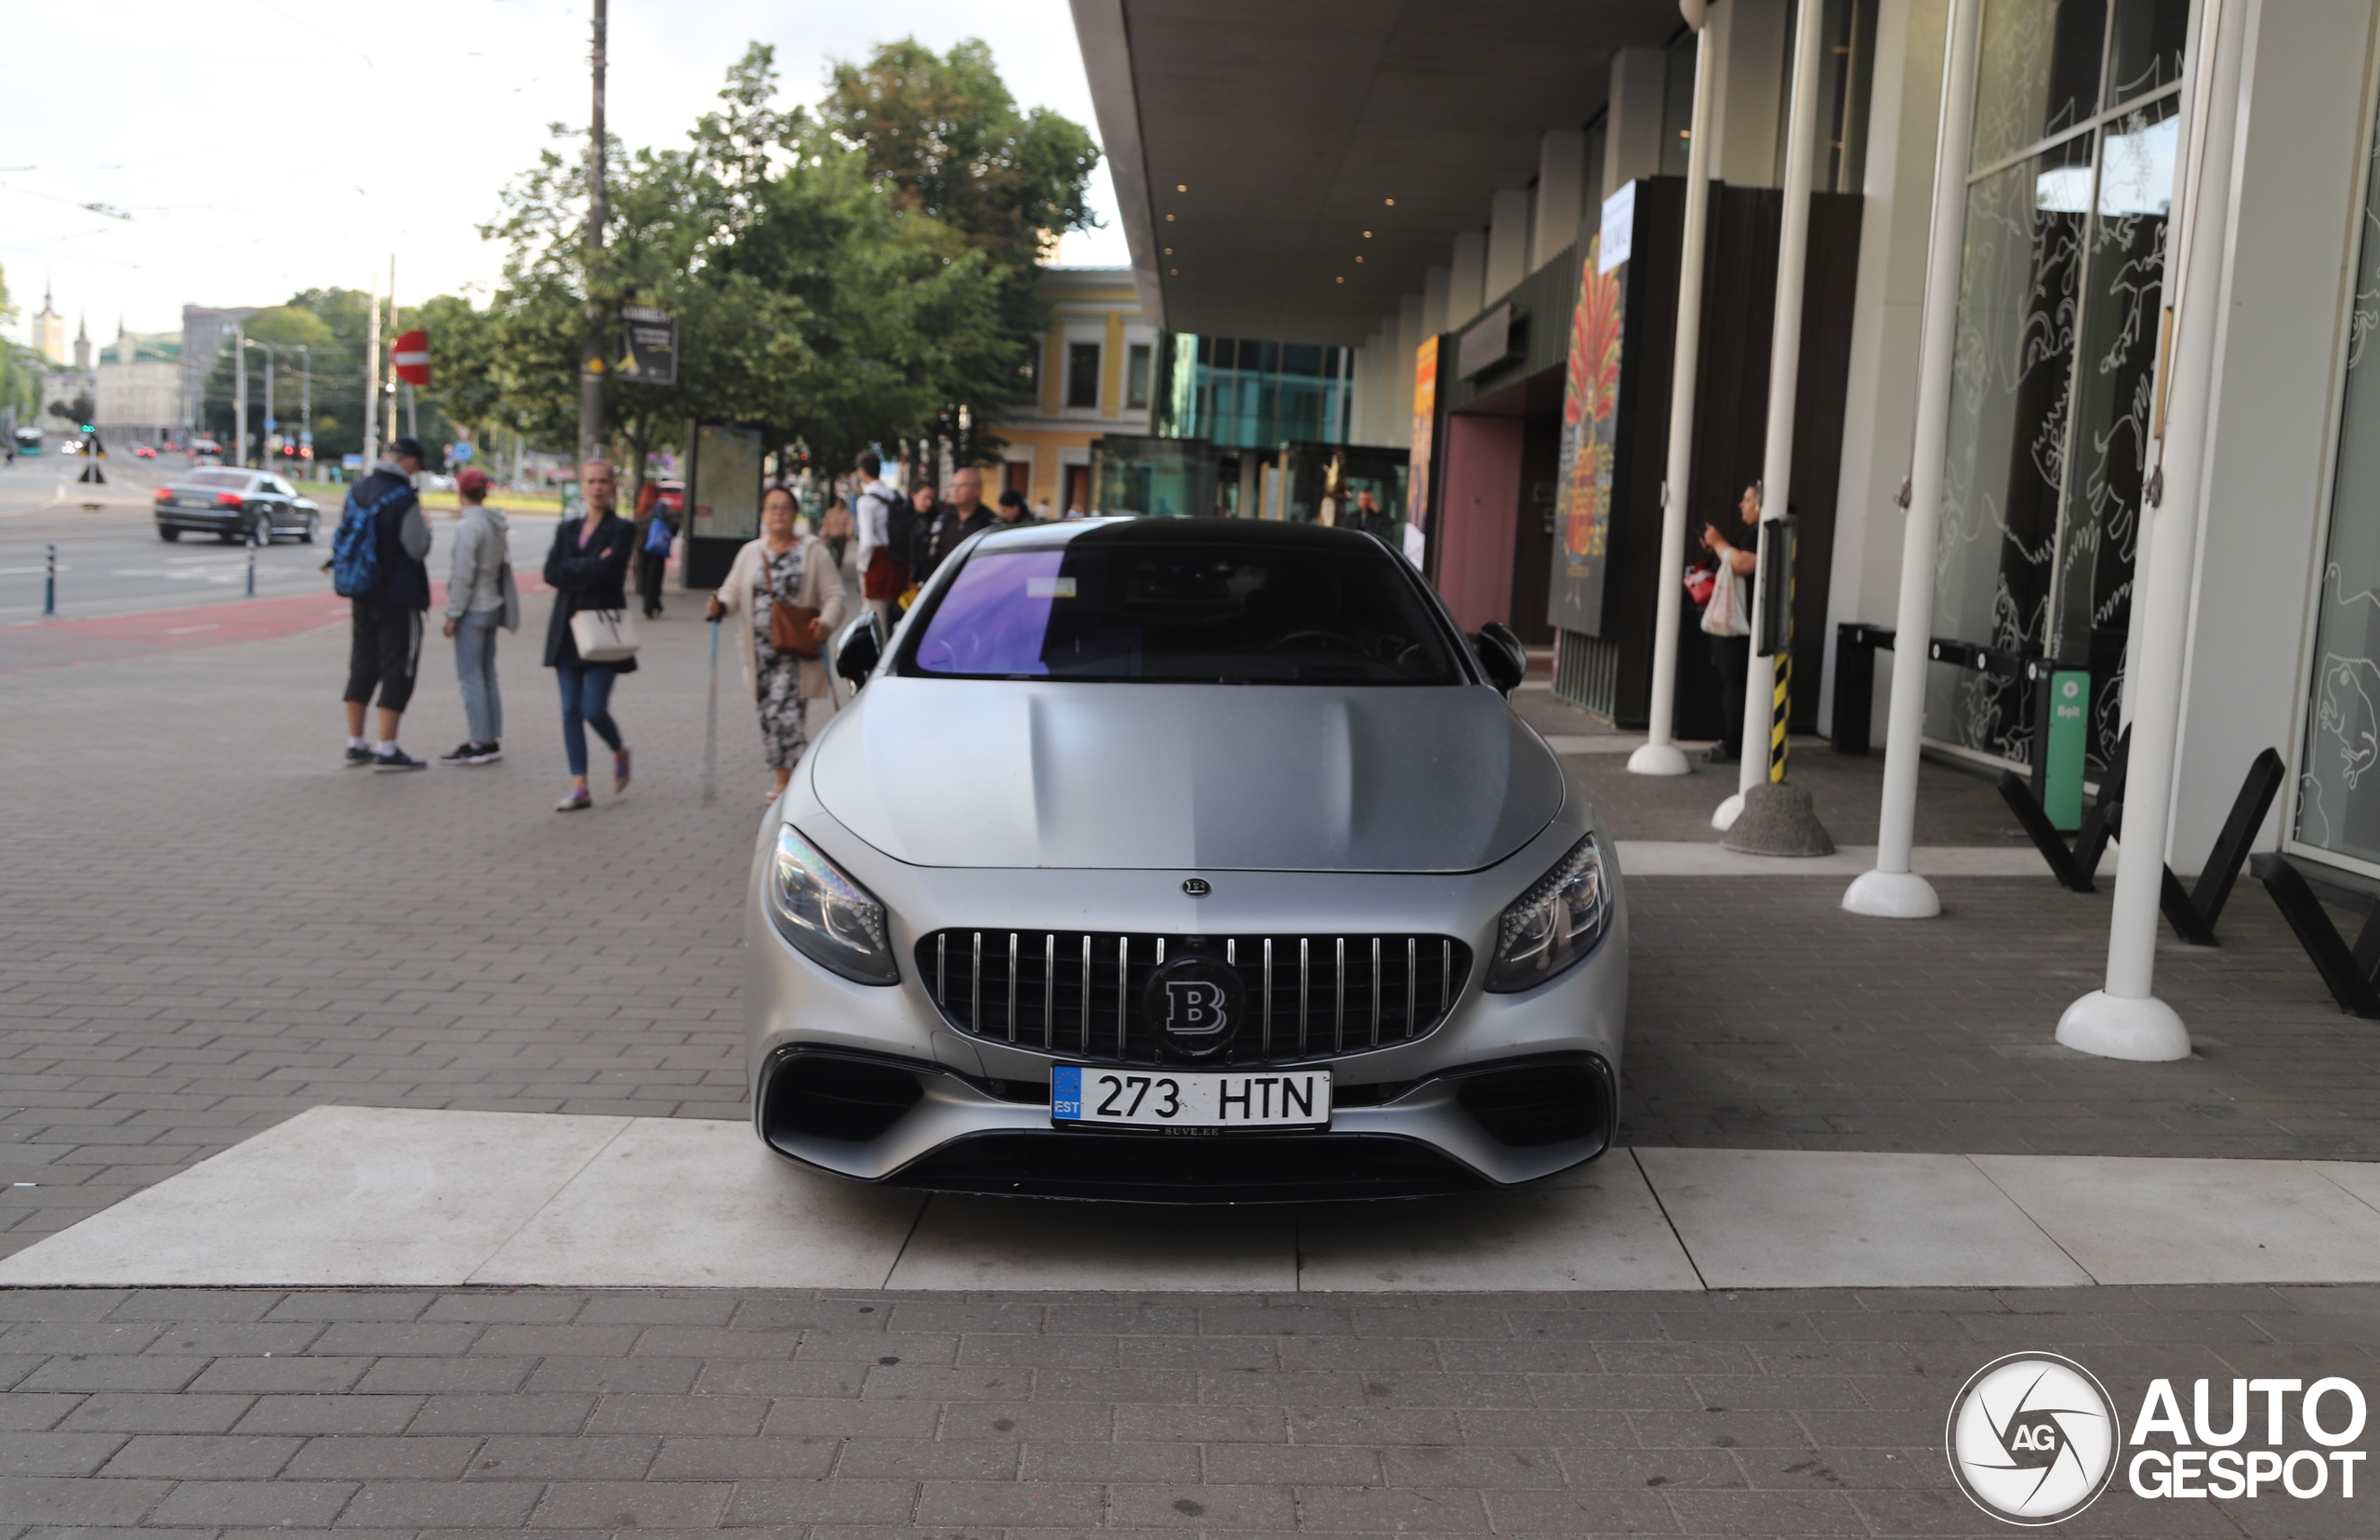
{"x":1176,"y":1099}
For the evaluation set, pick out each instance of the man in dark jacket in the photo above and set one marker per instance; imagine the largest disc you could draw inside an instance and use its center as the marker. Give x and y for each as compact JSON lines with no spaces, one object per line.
{"x":1012,"y":510}
{"x":384,"y":646}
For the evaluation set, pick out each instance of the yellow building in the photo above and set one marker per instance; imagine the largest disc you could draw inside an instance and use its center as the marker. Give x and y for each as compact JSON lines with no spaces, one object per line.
{"x":1094,"y":376}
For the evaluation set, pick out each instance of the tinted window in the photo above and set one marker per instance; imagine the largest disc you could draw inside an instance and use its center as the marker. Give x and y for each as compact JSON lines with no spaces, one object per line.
{"x":230,"y":481}
{"x":1195,"y":614}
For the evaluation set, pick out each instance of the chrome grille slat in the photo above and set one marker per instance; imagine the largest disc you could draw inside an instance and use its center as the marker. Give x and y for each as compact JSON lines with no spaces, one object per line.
{"x":1115,"y":1030}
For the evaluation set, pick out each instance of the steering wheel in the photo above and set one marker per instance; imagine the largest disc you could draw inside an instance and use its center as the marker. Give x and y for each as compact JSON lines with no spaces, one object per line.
{"x":1331,"y":641}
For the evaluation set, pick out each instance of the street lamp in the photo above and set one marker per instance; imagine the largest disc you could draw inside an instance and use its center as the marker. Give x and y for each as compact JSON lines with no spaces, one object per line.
{"x":272,"y":366}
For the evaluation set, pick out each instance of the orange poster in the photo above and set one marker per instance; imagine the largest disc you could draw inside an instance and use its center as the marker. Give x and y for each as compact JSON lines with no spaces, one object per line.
{"x":1425,"y":418}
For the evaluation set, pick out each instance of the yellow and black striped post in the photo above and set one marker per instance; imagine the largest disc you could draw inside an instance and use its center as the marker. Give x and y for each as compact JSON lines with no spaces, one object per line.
{"x":1781,"y":697}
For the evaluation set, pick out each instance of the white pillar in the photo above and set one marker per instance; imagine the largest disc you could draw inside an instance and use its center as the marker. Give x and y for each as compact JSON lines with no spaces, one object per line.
{"x":1892,"y":890}
{"x":1659,"y":754}
{"x":1561,"y":185}
{"x":1507,"y":264}
{"x":1467,"y":280}
{"x":1784,"y":372}
{"x":2125,"y":1019}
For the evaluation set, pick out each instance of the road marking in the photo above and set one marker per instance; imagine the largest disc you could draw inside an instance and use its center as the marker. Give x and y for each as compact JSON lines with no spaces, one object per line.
{"x":186,"y":630}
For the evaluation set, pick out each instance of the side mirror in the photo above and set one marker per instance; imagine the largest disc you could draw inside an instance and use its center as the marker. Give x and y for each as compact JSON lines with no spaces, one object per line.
{"x":859,"y":647}
{"x":1501,"y":655}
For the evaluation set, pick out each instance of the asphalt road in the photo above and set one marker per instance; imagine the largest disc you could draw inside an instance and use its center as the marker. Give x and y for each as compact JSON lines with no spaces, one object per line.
{"x":110,"y":560}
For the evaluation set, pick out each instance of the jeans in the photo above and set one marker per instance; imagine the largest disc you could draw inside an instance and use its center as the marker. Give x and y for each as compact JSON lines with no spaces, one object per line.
{"x":475,"y":667}
{"x":586,"y":702}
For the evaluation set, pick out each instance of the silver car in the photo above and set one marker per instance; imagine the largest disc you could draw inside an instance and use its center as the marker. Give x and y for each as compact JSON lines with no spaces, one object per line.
{"x":1184,"y":860}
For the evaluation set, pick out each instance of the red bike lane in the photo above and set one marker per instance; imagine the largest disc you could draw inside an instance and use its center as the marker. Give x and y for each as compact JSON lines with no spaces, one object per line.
{"x":63,"y":642}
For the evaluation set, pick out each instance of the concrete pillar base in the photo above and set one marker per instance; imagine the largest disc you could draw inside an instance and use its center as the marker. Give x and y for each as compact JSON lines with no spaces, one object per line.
{"x":1778,"y":819}
{"x":2146,"y":1031}
{"x":1659,"y":759}
{"x":1892,"y":896}
{"x":1724,"y":817}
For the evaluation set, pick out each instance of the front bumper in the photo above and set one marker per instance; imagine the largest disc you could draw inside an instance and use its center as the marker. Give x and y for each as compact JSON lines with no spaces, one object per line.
{"x":925,"y":1105}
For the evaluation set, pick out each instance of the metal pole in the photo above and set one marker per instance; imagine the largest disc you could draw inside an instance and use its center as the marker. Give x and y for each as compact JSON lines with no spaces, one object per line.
{"x":388,"y":380}
{"x":590,"y":368}
{"x":1659,"y":754}
{"x":2125,"y":1019}
{"x":264,"y":440}
{"x":1764,"y":746}
{"x":254,"y":541}
{"x":305,"y":402}
{"x":1892,"y":890}
{"x":239,"y":397}
{"x":372,"y":379}
{"x":49,"y":586}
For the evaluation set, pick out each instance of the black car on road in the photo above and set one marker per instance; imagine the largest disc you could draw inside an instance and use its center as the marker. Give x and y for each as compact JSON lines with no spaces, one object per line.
{"x":234,"y":506}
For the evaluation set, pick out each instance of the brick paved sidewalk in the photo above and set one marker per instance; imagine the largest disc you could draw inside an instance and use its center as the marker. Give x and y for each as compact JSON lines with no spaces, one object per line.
{"x":225,"y":1412}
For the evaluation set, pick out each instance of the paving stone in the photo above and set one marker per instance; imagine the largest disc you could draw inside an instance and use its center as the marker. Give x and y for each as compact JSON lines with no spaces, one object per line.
{"x":221,"y":1457}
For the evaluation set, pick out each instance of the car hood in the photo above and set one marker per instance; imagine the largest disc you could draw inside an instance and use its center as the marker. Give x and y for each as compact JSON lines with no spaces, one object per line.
{"x":947,"y":773}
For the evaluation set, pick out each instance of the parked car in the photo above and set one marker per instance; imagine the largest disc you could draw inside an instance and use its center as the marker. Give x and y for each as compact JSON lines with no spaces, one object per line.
{"x":1254,"y":888}
{"x":234,"y":506}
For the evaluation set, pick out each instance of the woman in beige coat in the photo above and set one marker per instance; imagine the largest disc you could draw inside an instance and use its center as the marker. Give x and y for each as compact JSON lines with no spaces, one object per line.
{"x":784,"y":566}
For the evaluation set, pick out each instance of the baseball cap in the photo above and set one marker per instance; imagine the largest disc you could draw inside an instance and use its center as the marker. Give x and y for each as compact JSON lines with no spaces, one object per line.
{"x":471,"y":481}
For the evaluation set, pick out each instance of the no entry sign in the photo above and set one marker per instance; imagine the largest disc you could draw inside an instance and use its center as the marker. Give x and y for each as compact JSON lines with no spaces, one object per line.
{"x":411,"y":355}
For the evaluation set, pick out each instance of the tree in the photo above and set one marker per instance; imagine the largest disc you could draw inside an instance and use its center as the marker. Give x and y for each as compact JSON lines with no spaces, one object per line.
{"x":20,"y":367}
{"x":817,"y":298}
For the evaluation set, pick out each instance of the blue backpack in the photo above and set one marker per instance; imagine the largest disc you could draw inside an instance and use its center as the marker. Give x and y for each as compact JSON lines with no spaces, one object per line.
{"x":356,"y":548}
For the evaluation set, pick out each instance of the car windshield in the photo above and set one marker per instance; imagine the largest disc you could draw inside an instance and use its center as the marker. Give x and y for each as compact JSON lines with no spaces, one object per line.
{"x":1191,"y":613}
{"x":236,"y":480}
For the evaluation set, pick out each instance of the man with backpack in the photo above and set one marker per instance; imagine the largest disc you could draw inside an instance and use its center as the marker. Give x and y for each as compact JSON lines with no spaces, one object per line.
{"x":887,"y":537}
{"x":376,"y":563}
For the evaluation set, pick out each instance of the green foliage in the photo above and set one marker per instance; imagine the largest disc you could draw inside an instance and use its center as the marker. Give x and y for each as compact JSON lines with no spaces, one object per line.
{"x":20,"y":367}
{"x":819,"y":295}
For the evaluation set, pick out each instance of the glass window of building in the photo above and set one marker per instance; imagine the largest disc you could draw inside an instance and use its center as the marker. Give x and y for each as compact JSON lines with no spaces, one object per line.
{"x":1136,"y":376}
{"x":2338,"y":783}
{"x":1242,"y":394}
{"x":1082,"y":374}
{"x":2070,"y":181}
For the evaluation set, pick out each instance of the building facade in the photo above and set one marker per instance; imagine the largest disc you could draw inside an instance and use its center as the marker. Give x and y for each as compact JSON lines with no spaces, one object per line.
{"x":138,"y":385}
{"x":1463,"y":254}
{"x":1092,"y":379}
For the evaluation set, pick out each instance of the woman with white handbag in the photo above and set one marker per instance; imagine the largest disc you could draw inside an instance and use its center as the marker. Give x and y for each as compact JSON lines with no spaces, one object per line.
{"x":1727,"y":616}
{"x":591,"y":640}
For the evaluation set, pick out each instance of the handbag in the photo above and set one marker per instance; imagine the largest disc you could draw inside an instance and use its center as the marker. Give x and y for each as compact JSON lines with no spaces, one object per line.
{"x":1699,"y":581}
{"x":603,"y":636}
{"x":793,"y":629}
{"x":1729,"y":613}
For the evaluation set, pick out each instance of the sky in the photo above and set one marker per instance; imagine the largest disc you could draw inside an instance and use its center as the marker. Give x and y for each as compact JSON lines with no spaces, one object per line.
{"x":261,"y":147}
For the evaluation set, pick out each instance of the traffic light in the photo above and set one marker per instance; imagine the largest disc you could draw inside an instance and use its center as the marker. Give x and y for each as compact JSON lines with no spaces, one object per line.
{"x":90,"y":428}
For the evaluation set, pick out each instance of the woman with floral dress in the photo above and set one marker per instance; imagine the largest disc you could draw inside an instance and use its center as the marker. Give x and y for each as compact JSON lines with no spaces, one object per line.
{"x":784,"y":566}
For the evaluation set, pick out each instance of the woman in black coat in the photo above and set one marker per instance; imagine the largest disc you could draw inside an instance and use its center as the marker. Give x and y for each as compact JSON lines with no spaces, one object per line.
{"x":588,"y":569}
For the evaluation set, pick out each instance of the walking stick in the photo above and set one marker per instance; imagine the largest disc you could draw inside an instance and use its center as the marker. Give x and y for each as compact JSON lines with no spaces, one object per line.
{"x":710,"y":726}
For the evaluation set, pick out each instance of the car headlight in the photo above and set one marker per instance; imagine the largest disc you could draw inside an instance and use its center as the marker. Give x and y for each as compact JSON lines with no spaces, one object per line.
{"x":1555,"y":924}
{"x":827,"y":916}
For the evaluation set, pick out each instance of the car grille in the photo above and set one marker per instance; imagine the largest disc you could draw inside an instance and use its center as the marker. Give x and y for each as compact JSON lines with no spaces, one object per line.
{"x":1079,"y":992}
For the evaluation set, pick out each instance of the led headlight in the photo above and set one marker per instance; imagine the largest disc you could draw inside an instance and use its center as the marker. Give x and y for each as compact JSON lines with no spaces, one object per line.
{"x":1555,"y":924}
{"x":827,"y":916}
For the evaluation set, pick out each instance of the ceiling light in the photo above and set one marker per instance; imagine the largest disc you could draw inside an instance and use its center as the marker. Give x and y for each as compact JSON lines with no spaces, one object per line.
{"x":1173,"y":272}
{"x":1368,"y":235}
{"x":1168,"y":218}
{"x":1339,"y":280}
{"x":1168,"y":251}
{"x":1182,"y":187}
{"x":1359,"y":258}
{"x":1390,"y":201}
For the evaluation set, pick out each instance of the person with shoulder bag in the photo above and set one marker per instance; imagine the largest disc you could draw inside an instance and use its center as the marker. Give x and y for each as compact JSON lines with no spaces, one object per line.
{"x":883,"y":565}
{"x":786,"y":581}
{"x":481,"y":596}
{"x":590,"y":641}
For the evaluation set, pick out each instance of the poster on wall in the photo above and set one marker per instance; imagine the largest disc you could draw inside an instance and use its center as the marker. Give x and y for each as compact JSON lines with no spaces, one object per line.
{"x":1425,"y":419}
{"x":1590,"y":431}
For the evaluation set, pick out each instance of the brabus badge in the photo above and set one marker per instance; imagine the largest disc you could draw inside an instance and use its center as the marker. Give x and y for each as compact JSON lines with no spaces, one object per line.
{"x":1198,"y":888}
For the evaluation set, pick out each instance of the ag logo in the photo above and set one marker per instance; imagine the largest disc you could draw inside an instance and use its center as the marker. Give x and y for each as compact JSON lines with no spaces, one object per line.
{"x":1194,"y":1003}
{"x":2032,"y":1438}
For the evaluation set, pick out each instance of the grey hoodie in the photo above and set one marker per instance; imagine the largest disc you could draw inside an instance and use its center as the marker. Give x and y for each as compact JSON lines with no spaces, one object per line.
{"x":479,"y":581}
